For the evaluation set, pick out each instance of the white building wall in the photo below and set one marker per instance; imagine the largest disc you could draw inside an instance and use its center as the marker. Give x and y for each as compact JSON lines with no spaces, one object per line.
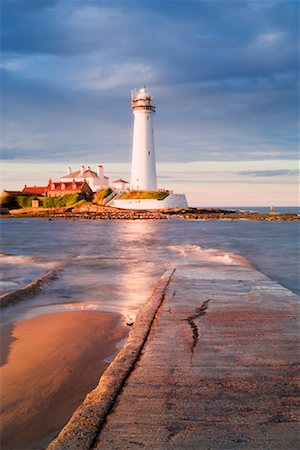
{"x":120,"y":185}
{"x":143,"y":170}
{"x":97,"y":183}
{"x":94,"y":183}
{"x":172,"y":201}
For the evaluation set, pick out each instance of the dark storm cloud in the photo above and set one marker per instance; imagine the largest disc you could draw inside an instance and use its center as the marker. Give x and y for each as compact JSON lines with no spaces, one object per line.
{"x":59,"y":27}
{"x":27,"y":26}
{"x":206,"y":39}
{"x":40,"y":27}
{"x":224,"y":73}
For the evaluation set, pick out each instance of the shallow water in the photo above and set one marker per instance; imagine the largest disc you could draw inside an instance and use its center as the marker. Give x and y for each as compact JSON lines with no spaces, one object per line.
{"x":113,"y":265}
{"x":266,"y":209}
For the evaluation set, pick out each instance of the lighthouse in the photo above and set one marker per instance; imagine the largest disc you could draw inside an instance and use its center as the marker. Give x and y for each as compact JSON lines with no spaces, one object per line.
{"x":143,"y":170}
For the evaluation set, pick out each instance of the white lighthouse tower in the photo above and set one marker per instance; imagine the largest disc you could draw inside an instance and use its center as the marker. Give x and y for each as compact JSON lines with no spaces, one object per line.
{"x":143,"y":170}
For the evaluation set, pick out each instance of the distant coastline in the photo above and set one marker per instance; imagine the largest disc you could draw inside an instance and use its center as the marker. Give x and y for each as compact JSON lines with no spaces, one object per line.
{"x":95,"y":212}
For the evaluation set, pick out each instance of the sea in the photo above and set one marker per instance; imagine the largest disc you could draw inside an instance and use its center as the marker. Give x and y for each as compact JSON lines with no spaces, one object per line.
{"x":114,"y":265}
{"x":266,"y":209}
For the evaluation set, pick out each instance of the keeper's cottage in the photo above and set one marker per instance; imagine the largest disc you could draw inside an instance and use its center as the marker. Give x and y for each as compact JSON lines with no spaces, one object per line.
{"x":96,"y":180}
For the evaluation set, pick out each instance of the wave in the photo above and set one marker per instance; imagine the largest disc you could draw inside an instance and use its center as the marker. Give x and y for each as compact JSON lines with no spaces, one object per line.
{"x":30,"y":290}
{"x":9,"y":259}
{"x":99,"y":257}
{"x":213,"y":255}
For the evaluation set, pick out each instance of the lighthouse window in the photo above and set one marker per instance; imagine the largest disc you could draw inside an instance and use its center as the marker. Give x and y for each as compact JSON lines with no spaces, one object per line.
{"x":148,"y":153}
{"x":147,"y":117}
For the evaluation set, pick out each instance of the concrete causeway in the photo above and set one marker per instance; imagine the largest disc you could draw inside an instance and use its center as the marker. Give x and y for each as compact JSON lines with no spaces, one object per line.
{"x":217,"y":369}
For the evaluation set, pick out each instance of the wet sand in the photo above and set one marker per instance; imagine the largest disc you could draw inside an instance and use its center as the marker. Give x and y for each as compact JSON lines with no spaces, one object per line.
{"x":49,"y":363}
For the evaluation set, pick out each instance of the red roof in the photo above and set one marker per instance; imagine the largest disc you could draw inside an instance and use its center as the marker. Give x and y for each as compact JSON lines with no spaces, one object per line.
{"x":65,"y":185}
{"x":86,"y":174}
{"x":11,"y":192}
{"x":120,"y":181}
{"x":35,"y":190}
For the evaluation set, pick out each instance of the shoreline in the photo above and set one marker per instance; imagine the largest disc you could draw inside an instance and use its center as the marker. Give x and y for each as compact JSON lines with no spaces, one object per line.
{"x":42,"y":371}
{"x":80,"y":431}
{"x":94,"y":212}
{"x":177,"y":355}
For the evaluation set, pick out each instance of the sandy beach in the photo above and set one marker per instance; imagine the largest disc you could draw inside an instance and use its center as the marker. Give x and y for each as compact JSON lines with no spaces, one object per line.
{"x":49,"y":363}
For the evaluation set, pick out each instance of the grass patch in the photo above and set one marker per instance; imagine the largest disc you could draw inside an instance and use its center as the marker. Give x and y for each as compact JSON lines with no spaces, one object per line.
{"x":80,"y":203}
{"x":65,"y":200}
{"x":100,"y":196}
{"x":144,"y":195}
{"x":25,"y":201}
{"x":16,"y":201}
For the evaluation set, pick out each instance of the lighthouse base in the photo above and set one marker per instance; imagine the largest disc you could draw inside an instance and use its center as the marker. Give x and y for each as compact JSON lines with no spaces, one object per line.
{"x":171,"y":202}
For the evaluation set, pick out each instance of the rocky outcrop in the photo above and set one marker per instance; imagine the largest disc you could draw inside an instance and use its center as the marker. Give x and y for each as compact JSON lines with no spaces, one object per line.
{"x":95,"y":212}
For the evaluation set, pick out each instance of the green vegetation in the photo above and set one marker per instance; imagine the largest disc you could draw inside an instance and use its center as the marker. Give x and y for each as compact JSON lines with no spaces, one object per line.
{"x":25,"y":201}
{"x":101,"y":195}
{"x":144,"y":195}
{"x":16,"y":201}
{"x":66,"y":200}
{"x":8,"y":201}
{"x":80,"y":203}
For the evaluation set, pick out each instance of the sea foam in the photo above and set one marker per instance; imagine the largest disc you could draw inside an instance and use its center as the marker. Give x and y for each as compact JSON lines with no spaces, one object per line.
{"x":213,"y":255}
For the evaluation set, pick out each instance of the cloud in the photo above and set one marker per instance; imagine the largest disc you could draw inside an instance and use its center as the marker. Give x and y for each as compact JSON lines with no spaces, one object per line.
{"x":269,"y":173}
{"x":224,"y":75}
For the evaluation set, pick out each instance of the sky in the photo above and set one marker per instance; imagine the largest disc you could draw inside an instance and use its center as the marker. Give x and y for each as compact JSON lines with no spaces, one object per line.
{"x":224,"y":74}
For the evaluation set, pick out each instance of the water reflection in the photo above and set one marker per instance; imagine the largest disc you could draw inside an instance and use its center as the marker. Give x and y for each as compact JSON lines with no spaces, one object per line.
{"x":114,"y":270}
{"x":113,"y":265}
{"x":141,"y":270}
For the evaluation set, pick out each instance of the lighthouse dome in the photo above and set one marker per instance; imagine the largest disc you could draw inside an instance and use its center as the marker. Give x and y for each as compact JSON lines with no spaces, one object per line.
{"x":142,"y":93}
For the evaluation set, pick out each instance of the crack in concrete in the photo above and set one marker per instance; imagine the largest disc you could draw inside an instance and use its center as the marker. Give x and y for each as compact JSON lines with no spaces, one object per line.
{"x":190,"y":320}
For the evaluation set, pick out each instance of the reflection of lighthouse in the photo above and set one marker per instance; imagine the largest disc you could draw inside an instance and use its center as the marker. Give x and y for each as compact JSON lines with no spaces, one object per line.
{"x":143,"y":171}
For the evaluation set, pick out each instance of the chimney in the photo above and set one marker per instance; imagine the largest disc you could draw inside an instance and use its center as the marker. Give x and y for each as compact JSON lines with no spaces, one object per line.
{"x":82,"y":170}
{"x":89,"y":167}
{"x":69,"y":170}
{"x":100,"y":171}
